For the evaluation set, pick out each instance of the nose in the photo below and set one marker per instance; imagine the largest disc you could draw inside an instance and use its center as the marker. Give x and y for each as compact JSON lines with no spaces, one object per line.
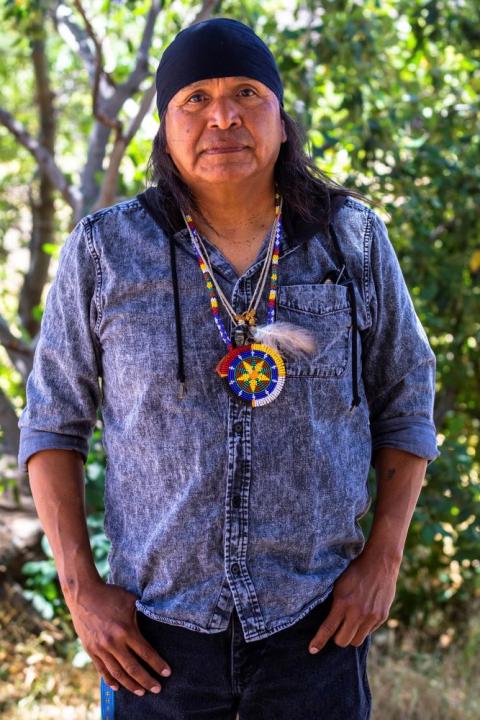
{"x":224,"y":114}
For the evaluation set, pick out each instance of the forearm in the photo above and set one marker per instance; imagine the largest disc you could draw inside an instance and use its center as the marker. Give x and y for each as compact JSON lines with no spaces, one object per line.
{"x":57,"y":483}
{"x":399,"y":477}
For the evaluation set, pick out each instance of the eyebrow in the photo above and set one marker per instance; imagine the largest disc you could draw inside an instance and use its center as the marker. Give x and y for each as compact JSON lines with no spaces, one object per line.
{"x":199,"y":83}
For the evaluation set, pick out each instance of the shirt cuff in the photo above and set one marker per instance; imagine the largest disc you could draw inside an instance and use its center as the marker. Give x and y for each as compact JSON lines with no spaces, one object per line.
{"x":32,"y":440}
{"x":413,"y":434}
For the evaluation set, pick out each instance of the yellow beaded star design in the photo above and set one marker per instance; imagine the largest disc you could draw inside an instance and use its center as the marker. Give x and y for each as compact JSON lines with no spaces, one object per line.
{"x":254,"y":373}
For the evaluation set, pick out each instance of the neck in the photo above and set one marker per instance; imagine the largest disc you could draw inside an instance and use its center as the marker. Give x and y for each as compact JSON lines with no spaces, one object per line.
{"x":235,"y":211}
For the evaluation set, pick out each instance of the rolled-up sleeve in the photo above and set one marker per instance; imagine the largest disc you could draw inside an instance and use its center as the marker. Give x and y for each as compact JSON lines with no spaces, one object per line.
{"x":398,"y":362}
{"x":63,"y":389}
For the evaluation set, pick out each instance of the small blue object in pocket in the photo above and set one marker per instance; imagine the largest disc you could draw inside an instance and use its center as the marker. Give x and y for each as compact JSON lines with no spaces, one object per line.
{"x":107,"y":700}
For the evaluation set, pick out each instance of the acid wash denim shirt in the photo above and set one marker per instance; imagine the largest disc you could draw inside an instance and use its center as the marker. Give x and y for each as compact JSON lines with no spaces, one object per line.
{"x":211,"y":504}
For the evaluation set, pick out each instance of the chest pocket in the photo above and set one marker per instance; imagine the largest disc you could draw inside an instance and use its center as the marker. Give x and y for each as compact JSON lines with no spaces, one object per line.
{"x":323,"y":309}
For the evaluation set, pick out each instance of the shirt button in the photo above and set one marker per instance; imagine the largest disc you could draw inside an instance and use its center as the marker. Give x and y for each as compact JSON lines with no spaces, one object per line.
{"x":238,"y":427}
{"x":235,"y":568}
{"x":236,"y":501}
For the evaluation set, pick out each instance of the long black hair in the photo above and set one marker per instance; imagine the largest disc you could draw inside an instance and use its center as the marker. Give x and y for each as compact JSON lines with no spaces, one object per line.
{"x":306,"y":190}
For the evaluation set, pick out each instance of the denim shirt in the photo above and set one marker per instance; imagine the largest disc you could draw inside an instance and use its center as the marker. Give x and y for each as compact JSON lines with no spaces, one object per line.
{"x":210,"y":503}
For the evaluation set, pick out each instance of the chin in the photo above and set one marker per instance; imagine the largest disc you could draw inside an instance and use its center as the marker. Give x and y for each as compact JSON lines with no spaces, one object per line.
{"x":232,"y":174}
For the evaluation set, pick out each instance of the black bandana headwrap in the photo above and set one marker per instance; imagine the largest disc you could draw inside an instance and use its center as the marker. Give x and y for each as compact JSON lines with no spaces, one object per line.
{"x":215,"y":48}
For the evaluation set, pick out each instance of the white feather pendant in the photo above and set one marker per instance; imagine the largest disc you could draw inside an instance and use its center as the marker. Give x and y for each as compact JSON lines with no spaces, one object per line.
{"x":285,"y":337}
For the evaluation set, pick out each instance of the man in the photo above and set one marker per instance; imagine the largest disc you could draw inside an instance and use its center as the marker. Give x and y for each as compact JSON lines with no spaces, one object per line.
{"x":258,"y":349}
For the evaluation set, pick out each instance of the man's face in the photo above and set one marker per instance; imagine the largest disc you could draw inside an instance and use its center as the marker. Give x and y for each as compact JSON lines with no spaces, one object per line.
{"x":224,"y":130}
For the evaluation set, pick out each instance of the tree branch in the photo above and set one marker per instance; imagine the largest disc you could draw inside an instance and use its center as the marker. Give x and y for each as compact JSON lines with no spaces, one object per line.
{"x":111,"y":107}
{"x":109,"y":185}
{"x":140,"y":71}
{"x":81,"y":44}
{"x":208,"y":7}
{"x":9,"y":442}
{"x":107,"y":120}
{"x":19,"y":352}
{"x":42,"y":194}
{"x":70,"y":194}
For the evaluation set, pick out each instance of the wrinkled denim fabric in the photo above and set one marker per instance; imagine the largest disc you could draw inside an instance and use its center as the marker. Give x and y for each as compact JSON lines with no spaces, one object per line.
{"x":211,"y":504}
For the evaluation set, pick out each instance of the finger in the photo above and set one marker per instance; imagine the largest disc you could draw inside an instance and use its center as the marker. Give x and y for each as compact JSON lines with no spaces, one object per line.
{"x":347,"y":632}
{"x":376,"y":620}
{"x":144,"y":650}
{"x":361,"y":635}
{"x":127,"y":670}
{"x":147,"y":653}
{"x":103,"y":670}
{"x":379,"y":623}
{"x":329,"y":626}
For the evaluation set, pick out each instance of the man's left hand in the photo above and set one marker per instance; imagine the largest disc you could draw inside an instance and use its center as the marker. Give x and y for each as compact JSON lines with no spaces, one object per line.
{"x":362,"y":598}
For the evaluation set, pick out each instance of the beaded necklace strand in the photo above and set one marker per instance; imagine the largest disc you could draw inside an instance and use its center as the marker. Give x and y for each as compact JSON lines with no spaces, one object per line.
{"x":254,"y":371}
{"x":272,"y":254}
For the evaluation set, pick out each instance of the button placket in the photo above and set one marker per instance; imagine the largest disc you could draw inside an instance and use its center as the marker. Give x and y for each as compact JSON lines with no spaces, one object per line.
{"x":237,"y":495}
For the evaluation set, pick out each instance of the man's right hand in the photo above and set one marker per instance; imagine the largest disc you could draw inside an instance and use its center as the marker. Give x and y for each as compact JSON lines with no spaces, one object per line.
{"x":104,"y":618}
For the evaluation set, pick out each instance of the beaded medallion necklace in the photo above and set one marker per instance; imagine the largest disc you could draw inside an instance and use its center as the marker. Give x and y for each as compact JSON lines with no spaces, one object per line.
{"x":253,"y":368}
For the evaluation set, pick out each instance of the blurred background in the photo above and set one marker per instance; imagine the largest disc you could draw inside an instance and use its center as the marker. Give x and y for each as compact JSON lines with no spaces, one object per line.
{"x":388,"y":93}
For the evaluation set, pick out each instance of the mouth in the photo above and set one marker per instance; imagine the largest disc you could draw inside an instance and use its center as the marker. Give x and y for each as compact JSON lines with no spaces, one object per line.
{"x":221,"y":150}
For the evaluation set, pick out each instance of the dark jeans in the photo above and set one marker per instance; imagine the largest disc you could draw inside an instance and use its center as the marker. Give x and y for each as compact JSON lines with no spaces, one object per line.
{"x":216,"y":676}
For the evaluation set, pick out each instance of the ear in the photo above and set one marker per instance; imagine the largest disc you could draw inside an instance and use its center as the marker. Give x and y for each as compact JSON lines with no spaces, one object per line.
{"x":284,"y":132}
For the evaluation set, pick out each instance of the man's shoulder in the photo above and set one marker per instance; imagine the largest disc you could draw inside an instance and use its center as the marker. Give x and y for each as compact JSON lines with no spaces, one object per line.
{"x":124,"y":209}
{"x":350,"y":208}
{"x":353,"y":220}
{"x":148,"y":209}
{"x":123,"y":227}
